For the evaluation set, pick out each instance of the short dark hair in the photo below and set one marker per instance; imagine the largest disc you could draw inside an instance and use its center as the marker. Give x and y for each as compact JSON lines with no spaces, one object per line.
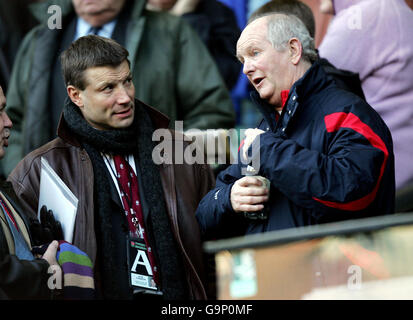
{"x":87,"y":52}
{"x":292,"y":7}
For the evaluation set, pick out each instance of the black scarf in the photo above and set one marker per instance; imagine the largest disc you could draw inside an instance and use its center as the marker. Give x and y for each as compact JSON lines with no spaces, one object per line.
{"x":136,"y":140}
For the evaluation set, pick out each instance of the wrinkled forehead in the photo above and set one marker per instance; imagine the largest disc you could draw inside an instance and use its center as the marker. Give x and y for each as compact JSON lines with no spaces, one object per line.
{"x":107,"y":74}
{"x":254,"y":33}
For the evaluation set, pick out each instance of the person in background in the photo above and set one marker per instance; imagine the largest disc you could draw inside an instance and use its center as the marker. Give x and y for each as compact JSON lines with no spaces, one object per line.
{"x":22,"y":276}
{"x":15,"y":22}
{"x":326,"y":154}
{"x":294,"y":7}
{"x":216,"y":25}
{"x":135,"y":218}
{"x":374,"y":39}
{"x":343,"y":78}
{"x":172,"y":68}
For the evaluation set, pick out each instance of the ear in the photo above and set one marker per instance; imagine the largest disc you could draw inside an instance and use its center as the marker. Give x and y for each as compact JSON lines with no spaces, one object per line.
{"x":75,"y":95}
{"x":296,"y":50}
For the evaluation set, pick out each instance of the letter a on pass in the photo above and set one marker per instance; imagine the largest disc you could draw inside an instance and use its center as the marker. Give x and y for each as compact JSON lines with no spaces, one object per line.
{"x":142,"y":259}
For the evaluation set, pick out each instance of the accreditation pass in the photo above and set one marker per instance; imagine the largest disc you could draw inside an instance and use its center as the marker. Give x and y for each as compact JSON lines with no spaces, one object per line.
{"x":140,"y":271}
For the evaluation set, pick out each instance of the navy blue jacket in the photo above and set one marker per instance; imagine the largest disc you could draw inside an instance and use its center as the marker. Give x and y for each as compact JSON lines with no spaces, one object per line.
{"x":329,"y":157}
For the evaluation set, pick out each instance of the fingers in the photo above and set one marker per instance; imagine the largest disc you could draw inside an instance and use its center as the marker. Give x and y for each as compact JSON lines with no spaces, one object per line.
{"x":249,"y":208}
{"x":250,"y":182}
{"x":248,"y":200}
{"x":247,"y":204}
{"x":248,"y":195}
{"x":260,"y":194}
{"x":54,"y":245}
{"x":50,"y":254}
{"x":249,"y":186}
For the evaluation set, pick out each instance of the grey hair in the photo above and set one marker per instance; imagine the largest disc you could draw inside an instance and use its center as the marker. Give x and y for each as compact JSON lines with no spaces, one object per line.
{"x":283,"y":27}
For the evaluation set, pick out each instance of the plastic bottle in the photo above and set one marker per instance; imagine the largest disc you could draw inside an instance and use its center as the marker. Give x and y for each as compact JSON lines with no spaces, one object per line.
{"x":262,"y":214}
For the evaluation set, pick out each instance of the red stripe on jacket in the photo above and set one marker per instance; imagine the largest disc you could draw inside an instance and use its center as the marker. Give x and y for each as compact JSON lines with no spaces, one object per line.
{"x":339,"y":120}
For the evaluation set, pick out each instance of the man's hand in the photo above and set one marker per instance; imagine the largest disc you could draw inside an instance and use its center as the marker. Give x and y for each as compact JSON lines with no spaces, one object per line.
{"x":51,"y":252}
{"x":250,"y":135}
{"x":50,"y":256}
{"x":248,"y":195}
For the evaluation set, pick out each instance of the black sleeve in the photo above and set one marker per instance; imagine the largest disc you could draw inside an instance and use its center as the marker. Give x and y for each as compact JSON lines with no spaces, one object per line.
{"x":22,"y":279}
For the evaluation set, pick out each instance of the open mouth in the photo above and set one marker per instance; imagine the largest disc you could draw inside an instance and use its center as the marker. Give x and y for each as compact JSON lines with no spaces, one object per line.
{"x":257,"y":81}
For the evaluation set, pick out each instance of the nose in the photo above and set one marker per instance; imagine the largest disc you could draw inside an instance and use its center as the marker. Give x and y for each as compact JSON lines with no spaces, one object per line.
{"x":248,"y":67}
{"x":124,"y":95}
{"x":6,"y":120}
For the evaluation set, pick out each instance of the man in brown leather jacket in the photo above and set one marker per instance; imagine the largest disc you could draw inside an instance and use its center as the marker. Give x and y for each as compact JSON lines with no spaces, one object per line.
{"x":135,"y":219}
{"x":22,"y":276}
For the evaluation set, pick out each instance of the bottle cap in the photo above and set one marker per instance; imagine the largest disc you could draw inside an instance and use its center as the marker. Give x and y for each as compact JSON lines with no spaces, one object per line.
{"x":250,"y":171}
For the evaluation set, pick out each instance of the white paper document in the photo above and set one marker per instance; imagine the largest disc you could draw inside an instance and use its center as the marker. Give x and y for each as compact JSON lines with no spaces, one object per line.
{"x":56,"y":196}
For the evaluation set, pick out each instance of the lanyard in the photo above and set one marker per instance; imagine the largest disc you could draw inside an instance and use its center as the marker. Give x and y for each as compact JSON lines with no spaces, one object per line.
{"x":128,"y":196}
{"x":136,"y":228}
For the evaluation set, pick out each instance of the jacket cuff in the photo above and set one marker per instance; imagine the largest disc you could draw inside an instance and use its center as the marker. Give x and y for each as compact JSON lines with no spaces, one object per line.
{"x":227,"y":203}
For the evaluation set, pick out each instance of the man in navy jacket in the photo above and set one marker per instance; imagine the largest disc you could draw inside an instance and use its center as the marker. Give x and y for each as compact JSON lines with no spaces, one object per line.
{"x":327,"y":154}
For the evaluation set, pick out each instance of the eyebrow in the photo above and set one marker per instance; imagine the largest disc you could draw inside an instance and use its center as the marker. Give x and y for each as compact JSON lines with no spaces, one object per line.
{"x":106,"y":83}
{"x":128,"y":76}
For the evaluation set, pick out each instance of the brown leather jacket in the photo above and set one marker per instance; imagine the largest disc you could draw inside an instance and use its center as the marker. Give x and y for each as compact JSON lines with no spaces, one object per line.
{"x":183,"y":186}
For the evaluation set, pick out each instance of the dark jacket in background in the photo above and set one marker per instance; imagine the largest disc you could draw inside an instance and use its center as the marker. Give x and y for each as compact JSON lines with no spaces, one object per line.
{"x":329,"y":158}
{"x":15,"y":22}
{"x":217,"y":26}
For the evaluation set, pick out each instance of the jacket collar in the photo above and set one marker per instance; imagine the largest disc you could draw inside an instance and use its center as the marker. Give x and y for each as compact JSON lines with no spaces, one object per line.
{"x":159,"y":121}
{"x":313,"y":81}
